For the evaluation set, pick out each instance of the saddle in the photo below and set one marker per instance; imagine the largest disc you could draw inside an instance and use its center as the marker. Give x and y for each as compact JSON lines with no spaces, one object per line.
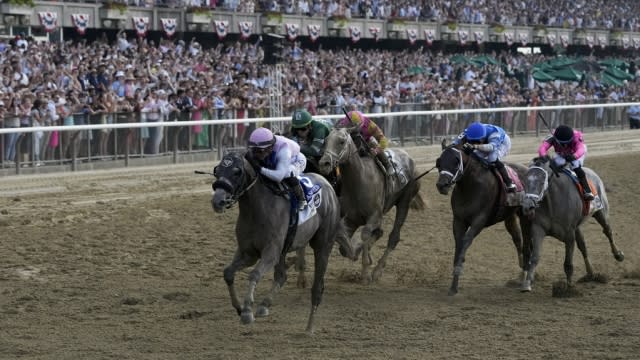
{"x":586,"y":204}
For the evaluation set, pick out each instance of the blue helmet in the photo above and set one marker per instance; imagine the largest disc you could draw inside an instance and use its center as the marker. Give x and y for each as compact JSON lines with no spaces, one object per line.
{"x":476,"y":132}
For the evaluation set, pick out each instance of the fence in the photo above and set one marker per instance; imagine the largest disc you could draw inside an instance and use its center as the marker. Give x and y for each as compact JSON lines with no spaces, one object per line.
{"x":130,"y":135}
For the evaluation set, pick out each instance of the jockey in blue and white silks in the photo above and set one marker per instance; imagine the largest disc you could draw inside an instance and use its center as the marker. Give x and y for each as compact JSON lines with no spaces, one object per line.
{"x":491,"y":143}
{"x":278,"y":159}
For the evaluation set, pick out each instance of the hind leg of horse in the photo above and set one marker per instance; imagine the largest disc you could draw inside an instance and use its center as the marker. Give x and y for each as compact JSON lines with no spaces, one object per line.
{"x":300,"y":267}
{"x":269,"y":257}
{"x":279,"y":278}
{"x":322,"y":245}
{"x":394,"y":237}
{"x":240,"y":261}
{"x":536,"y":235}
{"x":603,"y":220}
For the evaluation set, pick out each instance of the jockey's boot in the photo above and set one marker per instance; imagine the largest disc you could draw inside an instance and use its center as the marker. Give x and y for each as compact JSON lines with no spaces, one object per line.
{"x":294,"y":184}
{"x":382,"y":156}
{"x":586,"y":189}
{"x":508,"y":183}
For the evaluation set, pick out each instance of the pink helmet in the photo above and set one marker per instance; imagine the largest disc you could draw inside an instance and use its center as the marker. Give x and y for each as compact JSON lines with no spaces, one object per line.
{"x":261,"y":138}
{"x":356,"y":117}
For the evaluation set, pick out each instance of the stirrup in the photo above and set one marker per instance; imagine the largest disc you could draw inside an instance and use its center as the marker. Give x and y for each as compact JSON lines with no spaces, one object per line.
{"x":511,"y":187}
{"x":588,"y":196}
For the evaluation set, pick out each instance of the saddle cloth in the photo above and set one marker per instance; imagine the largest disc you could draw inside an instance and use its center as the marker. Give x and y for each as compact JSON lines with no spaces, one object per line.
{"x":588,"y":207}
{"x":313,"y":195}
{"x":397,"y":165}
{"x":513,"y":199}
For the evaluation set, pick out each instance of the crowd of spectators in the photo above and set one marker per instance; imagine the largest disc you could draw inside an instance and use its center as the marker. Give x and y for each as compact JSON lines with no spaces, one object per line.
{"x":133,"y":79}
{"x":606,"y":14}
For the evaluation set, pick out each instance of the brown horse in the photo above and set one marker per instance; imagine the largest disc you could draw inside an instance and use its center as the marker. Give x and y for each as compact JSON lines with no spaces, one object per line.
{"x":477,"y":202}
{"x":367,"y":194}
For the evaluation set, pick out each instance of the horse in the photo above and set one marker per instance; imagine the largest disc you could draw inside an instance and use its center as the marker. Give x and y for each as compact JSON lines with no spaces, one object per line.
{"x":477,"y":202}
{"x":262,"y":226}
{"x":554,"y":206}
{"x":367,"y":194}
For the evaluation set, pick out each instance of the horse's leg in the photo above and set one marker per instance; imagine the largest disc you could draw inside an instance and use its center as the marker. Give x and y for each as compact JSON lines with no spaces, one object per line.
{"x":300,"y":267}
{"x":527,"y":249}
{"x":513,"y":227}
{"x":348,"y":249}
{"x":536,"y":235}
{"x":402,"y":209}
{"x":239,"y":262}
{"x":279,"y":278}
{"x":322,"y":245}
{"x":583,"y":250}
{"x":269,"y":257}
{"x":603,"y":220}
{"x":370,"y":233}
{"x":464,"y":236}
{"x":569,"y":247}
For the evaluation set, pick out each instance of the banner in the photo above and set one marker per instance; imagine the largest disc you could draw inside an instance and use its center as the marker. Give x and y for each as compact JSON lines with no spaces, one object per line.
{"x":49,"y":20}
{"x":524,"y":38}
{"x":141,"y":24}
{"x":429,"y":36}
{"x":245,"y":29}
{"x":564,"y":40}
{"x":551,"y":39}
{"x":80,"y":22}
{"x":221,"y":28}
{"x":590,"y":41}
{"x":355,"y":33}
{"x":169,"y":26}
{"x":375,"y":32}
{"x":412,"y":35}
{"x":463,"y":36}
{"x":479,"y":35}
{"x":602,"y":41}
{"x":292,"y":31}
{"x":508,"y":37}
{"x":313,"y":31}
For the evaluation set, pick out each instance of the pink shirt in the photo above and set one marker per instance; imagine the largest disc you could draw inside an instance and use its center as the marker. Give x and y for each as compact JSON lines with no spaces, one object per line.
{"x":575,"y":147}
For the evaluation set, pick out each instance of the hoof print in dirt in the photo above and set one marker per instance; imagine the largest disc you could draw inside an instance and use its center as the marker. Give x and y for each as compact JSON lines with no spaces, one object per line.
{"x":562,"y":290}
{"x":193,"y":314}
{"x":177,"y":296}
{"x":131,"y":301}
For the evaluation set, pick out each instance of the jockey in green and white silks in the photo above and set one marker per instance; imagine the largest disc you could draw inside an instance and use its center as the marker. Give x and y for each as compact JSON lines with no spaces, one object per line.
{"x":278,"y":159}
{"x":491,"y":143}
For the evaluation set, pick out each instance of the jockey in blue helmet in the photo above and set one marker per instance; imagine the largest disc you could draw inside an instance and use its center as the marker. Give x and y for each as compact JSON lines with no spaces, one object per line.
{"x":491,"y":143}
{"x":278,"y":159}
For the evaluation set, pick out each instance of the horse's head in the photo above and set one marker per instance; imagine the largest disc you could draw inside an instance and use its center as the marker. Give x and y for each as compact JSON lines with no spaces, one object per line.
{"x":450,"y":166}
{"x":337,"y":149}
{"x":536,"y":184}
{"x":233,"y":177}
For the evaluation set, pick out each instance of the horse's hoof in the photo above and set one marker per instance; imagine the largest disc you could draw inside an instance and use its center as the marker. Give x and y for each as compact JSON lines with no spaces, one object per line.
{"x":452,"y":292}
{"x":619,"y":256}
{"x":366,"y":279}
{"x":376,"y":275}
{"x":526,"y":286}
{"x":247,"y":317}
{"x":262,"y":311}
{"x":301,"y":283}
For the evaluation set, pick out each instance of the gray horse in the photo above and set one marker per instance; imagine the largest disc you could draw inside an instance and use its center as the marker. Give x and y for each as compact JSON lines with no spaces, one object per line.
{"x":477,"y":202}
{"x":261,"y":229}
{"x":367,"y":194}
{"x":555,"y":207}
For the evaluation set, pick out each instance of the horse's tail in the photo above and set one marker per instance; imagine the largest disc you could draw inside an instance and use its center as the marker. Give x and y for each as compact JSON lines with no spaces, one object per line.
{"x":418,"y":203}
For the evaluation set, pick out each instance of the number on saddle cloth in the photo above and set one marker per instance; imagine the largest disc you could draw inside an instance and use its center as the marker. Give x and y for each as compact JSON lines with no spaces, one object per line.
{"x":311,"y":191}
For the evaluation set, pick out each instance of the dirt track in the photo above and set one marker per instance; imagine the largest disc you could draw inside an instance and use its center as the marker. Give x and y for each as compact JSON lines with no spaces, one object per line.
{"x":127,"y":264}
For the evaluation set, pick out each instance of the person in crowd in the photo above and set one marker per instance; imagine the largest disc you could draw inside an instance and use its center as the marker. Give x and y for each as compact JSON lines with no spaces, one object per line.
{"x":570,"y":149}
{"x":278,"y":159}
{"x":633,"y":113}
{"x":491,"y":143}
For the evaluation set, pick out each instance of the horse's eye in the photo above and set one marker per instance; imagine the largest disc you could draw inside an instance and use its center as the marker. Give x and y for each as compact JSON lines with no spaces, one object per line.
{"x":236,"y":171}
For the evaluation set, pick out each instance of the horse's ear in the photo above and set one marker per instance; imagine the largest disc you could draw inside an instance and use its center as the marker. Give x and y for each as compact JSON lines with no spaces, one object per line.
{"x":444,"y":143}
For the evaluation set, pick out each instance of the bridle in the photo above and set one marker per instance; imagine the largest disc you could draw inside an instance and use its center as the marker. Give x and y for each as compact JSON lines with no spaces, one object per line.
{"x":334,"y":159}
{"x":458,"y":174}
{"x":236,"y":191}
{"x":536,"y":198}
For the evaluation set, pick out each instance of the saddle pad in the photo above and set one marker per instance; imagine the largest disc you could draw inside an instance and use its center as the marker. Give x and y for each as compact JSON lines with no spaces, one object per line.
{"x":515,"y":178}
{"x":313,"y":194}
{"x":588,"y":207}
{"x":400,"y":170}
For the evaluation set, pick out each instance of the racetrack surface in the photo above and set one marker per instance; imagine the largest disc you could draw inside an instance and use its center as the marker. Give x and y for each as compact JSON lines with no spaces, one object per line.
{"x":127,"y":264}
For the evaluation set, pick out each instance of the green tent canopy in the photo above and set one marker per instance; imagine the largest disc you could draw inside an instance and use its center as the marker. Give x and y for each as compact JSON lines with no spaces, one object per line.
{"x":609,"y":80}
{"x":567,"y":74}
{"x":482,"y":60}
{"x":460,"y":59}
{"x":614,"y":63}
{"x":619,"y":74}
{"x":413,"y":70}
{"x":542,"y":76}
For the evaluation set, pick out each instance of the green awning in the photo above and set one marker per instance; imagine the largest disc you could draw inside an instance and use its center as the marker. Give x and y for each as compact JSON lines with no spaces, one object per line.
{"x":482,"y":60}
{"x":542,"y":76}
{"x":567,"y":74}
{"x":609,"y":80}
{"x":619,"y":74}
{"x":614,"y":63}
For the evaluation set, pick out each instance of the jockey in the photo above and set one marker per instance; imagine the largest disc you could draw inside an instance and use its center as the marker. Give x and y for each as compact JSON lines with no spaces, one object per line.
{"x":372,"y":134}
{"x":309,"y":134}
{"x":491,"y":143}
{"x":569,"y":148}
{"x":279,"y":159}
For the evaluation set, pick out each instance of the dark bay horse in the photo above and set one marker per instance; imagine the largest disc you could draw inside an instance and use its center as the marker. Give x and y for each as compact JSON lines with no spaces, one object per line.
{"x":477,"y":202}
{"x":367,"y":194}
{"x":554,"y":207}
{"x":261,"y":229}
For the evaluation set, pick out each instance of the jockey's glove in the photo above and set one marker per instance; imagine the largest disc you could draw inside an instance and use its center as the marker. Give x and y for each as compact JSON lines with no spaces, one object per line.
{"x":484,"y":147}
{"x":570,"y":158}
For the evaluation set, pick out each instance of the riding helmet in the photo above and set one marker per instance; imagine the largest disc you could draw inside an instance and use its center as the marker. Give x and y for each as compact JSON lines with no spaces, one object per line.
{"x":476,"y":132}
{"x":563,"y":134}
{"x":300,"y":119}
{"x":261,"y":138}
{"x":355,"y":117}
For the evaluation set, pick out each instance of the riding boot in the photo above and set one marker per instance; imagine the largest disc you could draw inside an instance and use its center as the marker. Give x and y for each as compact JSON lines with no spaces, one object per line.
{"x":382,"y":156}
{"x":586,"y":189}
{"x":296,"y":187}
{"x":508,"y":183}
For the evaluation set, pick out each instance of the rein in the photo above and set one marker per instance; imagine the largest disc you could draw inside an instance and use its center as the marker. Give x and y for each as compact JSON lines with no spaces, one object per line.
{"x":537,"y":197}
{"x":454,"y":177}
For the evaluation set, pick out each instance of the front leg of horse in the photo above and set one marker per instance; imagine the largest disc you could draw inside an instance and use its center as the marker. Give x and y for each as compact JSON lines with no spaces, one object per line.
{"x":460,"y":234}
{"x":279,"y":278}
{"x":229,"y":276}
{"x":402,"y":209}
{"x":246,"y":315}
{"x":369,"y":236}
{"x":536,"y":234}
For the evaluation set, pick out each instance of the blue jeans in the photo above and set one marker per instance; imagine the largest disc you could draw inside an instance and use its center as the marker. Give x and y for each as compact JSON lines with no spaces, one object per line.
{"x":10,"y":146}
